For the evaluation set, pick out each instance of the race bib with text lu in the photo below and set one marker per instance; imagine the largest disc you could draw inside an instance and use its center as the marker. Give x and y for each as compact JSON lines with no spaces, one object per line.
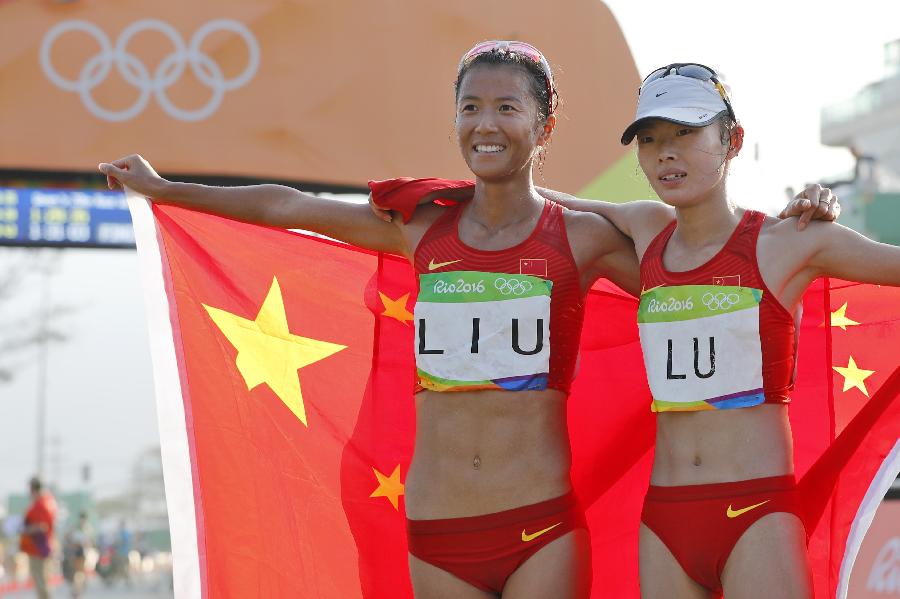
{"x":701,"y":347}
{"x":477,"y":330}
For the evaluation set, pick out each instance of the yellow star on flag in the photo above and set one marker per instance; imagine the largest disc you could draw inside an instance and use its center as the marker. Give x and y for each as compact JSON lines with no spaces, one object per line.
{"x":268,"y":352}
{"x":389,"y":486}
{"x":854,"y":376}
{"x":396,"y":308}
{"x":839,"y":318}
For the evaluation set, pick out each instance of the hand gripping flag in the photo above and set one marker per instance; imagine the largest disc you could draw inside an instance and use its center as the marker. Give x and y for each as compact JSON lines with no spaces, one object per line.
{"x":284,"y":371}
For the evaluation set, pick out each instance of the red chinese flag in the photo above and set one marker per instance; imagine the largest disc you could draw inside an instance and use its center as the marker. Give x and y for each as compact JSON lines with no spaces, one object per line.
{"x":294,"y":445}
{"x":860,"y":327}
{"x":284,"y":372}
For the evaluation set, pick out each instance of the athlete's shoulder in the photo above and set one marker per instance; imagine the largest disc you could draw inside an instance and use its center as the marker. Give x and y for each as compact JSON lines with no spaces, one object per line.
{"x":783,"y":228}
{"x":652,"y":208}
{"x":415,"y":229}
{"x":646,"y":218}
{"x":651,"y":211}
{"x":780,"y":238}
{"x":425,"y":216}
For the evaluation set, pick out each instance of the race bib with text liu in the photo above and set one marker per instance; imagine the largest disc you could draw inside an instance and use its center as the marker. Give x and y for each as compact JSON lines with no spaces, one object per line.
{"x":477,"y":330}
{"x":701,"y":347}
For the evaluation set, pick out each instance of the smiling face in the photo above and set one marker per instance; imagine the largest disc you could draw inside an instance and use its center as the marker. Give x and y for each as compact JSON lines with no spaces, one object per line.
{"x":498,"y":122}
{"x":685,"y":165}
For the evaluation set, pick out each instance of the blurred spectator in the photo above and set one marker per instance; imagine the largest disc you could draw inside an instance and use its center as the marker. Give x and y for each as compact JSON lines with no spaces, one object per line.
{"x":37,"y":534}
{"x":123,"y":552}
{"x":76,"y":543}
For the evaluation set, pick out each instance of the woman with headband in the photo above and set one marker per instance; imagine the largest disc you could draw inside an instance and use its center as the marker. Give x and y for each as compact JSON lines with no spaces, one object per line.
{"x":488,"y":495}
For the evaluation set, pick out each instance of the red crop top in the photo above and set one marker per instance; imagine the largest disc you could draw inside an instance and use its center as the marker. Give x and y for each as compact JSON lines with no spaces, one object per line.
{"x":715,"y":337}
{"x":508,"y":319}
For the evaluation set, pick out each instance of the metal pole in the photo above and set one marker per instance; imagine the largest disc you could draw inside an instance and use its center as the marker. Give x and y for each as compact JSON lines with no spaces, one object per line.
{"x":43,"y":342}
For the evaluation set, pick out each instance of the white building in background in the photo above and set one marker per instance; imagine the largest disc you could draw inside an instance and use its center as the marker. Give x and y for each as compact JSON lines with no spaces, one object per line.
{"x":869,"y":126}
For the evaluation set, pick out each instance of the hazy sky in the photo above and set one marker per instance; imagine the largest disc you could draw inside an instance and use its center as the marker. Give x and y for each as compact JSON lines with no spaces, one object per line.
{"x":783,"y":60}
{"x":99,"y":388}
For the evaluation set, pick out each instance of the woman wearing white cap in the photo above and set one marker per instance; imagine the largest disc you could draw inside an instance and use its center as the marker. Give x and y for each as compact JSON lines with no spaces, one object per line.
{"x":718,"y":317}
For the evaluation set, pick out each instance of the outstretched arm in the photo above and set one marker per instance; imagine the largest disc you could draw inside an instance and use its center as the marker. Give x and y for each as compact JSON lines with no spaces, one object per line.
{"x":843,"y":253}
{"x":271,"y":205}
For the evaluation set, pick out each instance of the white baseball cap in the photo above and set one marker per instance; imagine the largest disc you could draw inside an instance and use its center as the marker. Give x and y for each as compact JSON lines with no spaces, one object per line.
{"x":677,"y":99}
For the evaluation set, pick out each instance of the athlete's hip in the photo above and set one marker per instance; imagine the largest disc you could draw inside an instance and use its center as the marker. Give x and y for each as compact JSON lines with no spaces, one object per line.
{"x":712,"y":469}
{"x":457,"y":487}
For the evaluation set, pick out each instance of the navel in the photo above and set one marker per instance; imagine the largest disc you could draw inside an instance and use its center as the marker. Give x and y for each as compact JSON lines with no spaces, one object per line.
{"x":476,"y":462}
{"x":698,"y":461}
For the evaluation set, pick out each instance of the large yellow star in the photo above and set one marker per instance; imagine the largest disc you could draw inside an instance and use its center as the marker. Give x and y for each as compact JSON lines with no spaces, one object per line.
{"x":839,"y":318}
{"x":389,"y":486}
{"x":268,"y":352}
{"x":396,"y":308}
{"x":854,"y":376}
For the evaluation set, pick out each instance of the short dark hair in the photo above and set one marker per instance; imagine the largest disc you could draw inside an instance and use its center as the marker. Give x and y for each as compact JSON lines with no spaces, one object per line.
{"x":35,"y":484}
{"x":537,"y":81}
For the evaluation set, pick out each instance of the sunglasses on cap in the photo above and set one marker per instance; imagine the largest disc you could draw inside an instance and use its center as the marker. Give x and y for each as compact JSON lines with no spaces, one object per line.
{"x":512,"y":47}
{"x":693,"y":70}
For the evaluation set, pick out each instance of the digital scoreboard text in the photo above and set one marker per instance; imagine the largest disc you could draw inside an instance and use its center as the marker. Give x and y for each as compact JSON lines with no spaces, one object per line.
{"x":64,"y":218}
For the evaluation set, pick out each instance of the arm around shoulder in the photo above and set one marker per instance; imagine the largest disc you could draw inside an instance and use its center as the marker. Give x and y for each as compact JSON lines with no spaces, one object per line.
{"x":631,"y":218}
{"x":601,"y":250}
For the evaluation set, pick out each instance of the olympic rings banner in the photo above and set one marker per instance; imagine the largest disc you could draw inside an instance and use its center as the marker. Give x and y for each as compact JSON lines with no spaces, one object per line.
{"x":329,"y":92}
{"x":96,"y":70}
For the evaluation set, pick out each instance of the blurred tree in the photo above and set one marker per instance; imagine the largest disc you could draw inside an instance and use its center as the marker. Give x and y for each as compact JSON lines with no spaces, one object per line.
{"x":27,"y":325}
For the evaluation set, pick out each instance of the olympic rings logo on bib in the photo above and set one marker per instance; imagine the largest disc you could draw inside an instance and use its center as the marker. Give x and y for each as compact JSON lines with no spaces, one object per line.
{"x":512,"y":286}
{"x":135,"y":72}
{"x":719,"y":301}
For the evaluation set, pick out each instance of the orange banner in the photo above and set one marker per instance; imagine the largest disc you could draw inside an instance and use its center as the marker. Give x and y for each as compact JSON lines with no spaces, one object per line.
{"x":320,"y":91}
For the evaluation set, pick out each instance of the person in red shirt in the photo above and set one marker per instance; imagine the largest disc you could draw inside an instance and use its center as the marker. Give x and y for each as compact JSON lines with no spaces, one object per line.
{"x":720,"y":302}
{"x":488,"y":494}
{"x":37,"y":534}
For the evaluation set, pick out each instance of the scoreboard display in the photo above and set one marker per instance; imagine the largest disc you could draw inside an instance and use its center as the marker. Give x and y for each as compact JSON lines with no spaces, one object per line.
{"x":64,"y":218}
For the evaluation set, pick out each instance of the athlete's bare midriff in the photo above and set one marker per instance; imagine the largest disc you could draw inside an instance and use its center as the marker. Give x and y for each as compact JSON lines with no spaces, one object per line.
{"x":722,"y":446}
{"x":482,"y":452}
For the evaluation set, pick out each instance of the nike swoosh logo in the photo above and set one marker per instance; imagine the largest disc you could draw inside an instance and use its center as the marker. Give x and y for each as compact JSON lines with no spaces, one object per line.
{"x":435,"y":265}
{"x":533,"y":536}
{"x":661,"y":93}
{"x":735,"y":513}
{"x":643,"y":291}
